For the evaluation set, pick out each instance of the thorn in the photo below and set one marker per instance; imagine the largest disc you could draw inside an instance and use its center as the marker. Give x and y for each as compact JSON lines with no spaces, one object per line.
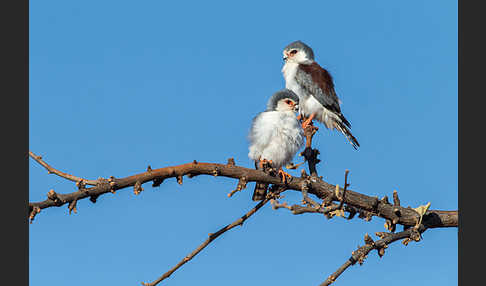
{"x":231,"y":162}
{"x":149,"y":169}
{"x":194,"y":162}
{"x":179,"y":180}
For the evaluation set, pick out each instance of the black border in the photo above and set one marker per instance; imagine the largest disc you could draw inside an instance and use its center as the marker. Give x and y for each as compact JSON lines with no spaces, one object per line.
{"x":471,"y":113}
{"x":15,"y":134}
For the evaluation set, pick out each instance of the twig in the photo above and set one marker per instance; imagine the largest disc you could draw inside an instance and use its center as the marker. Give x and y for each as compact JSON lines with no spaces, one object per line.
{"x":346,"y":185}
{"x":213,"y":236}
{"x":361,"y":253}
{"x":51,"y":170}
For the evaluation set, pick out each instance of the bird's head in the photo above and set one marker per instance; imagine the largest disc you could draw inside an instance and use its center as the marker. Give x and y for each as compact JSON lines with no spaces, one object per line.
{"x":283,"y":100}
{"x":298,"y":52}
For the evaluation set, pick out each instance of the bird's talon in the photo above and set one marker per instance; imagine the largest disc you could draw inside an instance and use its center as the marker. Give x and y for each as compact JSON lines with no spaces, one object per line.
{"x":285,"y":176}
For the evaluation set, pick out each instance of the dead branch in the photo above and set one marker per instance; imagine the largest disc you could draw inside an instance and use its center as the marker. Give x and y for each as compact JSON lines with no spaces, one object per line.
{"x":371,"y":206}
{"x":51,"y":170}
{"x":361,"y":253}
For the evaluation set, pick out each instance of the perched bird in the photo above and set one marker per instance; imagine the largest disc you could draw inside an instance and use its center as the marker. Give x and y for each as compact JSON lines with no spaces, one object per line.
{"x":275,"y":136}
{"x":315,"y":88}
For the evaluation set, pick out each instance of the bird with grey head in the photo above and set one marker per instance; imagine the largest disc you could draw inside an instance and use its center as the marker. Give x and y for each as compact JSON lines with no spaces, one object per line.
{"x":275,"y":136}
{"x":315,"y":88}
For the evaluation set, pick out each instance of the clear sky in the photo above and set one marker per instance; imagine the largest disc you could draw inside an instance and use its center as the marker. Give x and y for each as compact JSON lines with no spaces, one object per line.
{"x":118,"y":85}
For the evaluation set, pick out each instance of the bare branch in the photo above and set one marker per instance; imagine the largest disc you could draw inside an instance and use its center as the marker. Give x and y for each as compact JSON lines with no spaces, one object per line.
{"x":361,"y":253}
{"x":213,"y":236}
{"x":313,"y":185}
{"x":51,"y":170}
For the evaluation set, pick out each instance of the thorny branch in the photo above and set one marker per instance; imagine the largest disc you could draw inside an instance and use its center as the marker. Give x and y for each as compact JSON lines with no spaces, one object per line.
{"x":213,"y":236}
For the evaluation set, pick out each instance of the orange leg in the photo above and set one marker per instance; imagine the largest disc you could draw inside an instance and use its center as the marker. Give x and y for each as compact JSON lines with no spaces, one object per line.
{"x":284,"y":175}
{"x":264,"y":162}
{"x":308,"y":121}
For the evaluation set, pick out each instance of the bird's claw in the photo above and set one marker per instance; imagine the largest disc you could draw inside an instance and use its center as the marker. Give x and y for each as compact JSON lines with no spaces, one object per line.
{"x":285,"y":176}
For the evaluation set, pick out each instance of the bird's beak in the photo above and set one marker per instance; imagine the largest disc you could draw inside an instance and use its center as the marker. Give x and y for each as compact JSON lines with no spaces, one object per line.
{"x":296,"y":107}
{"x":286,"y":56}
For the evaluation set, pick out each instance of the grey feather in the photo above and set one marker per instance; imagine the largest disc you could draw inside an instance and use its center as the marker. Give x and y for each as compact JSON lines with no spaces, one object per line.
{"x":281,"y":94}
{"x":298,"y":45}
{"x":328,"y":100}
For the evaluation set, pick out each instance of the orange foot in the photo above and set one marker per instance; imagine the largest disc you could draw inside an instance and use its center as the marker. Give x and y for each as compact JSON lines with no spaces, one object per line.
{"x":284,"y":175}
{"x":308,"y":121}
{"x":265,"y":162}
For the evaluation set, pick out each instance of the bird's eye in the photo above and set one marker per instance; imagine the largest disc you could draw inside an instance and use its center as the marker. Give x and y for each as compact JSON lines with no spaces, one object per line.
{"x":293,"y":52}
{"x":288,"y":102}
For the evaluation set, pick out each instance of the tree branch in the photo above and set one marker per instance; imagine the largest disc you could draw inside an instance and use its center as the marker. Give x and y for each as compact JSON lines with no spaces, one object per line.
{"x":361,"y":253}
{"x":316,"y":186}
{"x":51,"y":170}
{"x":213,"y":236}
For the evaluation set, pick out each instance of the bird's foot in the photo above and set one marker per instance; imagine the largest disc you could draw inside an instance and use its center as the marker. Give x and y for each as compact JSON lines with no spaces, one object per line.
{"x":285,"y":176}
{"x":265,"y":164}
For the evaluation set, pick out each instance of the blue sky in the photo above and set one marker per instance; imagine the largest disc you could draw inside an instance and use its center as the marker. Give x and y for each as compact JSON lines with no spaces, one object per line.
{"x":118,"y":85}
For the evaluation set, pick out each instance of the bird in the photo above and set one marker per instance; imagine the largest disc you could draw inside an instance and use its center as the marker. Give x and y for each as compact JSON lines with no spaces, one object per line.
{"x":275,"y":136}
{"x":315,"y":87}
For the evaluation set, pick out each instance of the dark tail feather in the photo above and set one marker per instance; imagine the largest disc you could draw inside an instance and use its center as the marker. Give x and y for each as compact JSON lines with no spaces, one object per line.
{"x":343,"y":127}
{"x":260,"y":192}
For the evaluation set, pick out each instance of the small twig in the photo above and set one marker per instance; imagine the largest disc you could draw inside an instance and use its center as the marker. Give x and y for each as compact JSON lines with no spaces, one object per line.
{"x":361,"y":253}
{"x":213,"y":236}
{"x":346,"y":185}
{"x":51,"y":170}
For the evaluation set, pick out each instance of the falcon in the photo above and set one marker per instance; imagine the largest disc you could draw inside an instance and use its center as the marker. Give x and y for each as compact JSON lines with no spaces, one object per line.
{"x":315,"y":88}
{"x":275,"y":136}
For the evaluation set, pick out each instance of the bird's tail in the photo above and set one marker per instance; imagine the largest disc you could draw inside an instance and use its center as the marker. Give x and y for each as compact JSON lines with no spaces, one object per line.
{"x":343,"y":125}
{"x":260,"y":192}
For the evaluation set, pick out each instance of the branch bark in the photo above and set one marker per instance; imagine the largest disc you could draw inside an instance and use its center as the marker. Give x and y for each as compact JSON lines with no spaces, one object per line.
{"x":316,"y":186}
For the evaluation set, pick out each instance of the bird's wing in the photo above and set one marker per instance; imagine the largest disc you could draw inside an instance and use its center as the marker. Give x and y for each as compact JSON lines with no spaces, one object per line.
{"x":318,"y":82}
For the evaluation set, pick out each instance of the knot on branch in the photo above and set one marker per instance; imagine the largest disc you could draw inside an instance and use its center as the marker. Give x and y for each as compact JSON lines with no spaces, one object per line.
{"x":157,"y":182}
{"x":137,"y":188}
{"x":179,"y":179}
{"x":53,"y":196}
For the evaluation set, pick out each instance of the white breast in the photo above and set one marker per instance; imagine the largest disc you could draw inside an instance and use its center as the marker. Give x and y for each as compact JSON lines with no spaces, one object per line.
{"x":289,"y":70}
{"x":275,"y":136}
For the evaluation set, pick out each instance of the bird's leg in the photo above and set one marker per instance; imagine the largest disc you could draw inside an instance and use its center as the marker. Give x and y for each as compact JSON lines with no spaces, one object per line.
{"x":299,"y":117}
{"x":265,"y":165}
{"x":284,"y":175}
{"x":308,"y":121}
